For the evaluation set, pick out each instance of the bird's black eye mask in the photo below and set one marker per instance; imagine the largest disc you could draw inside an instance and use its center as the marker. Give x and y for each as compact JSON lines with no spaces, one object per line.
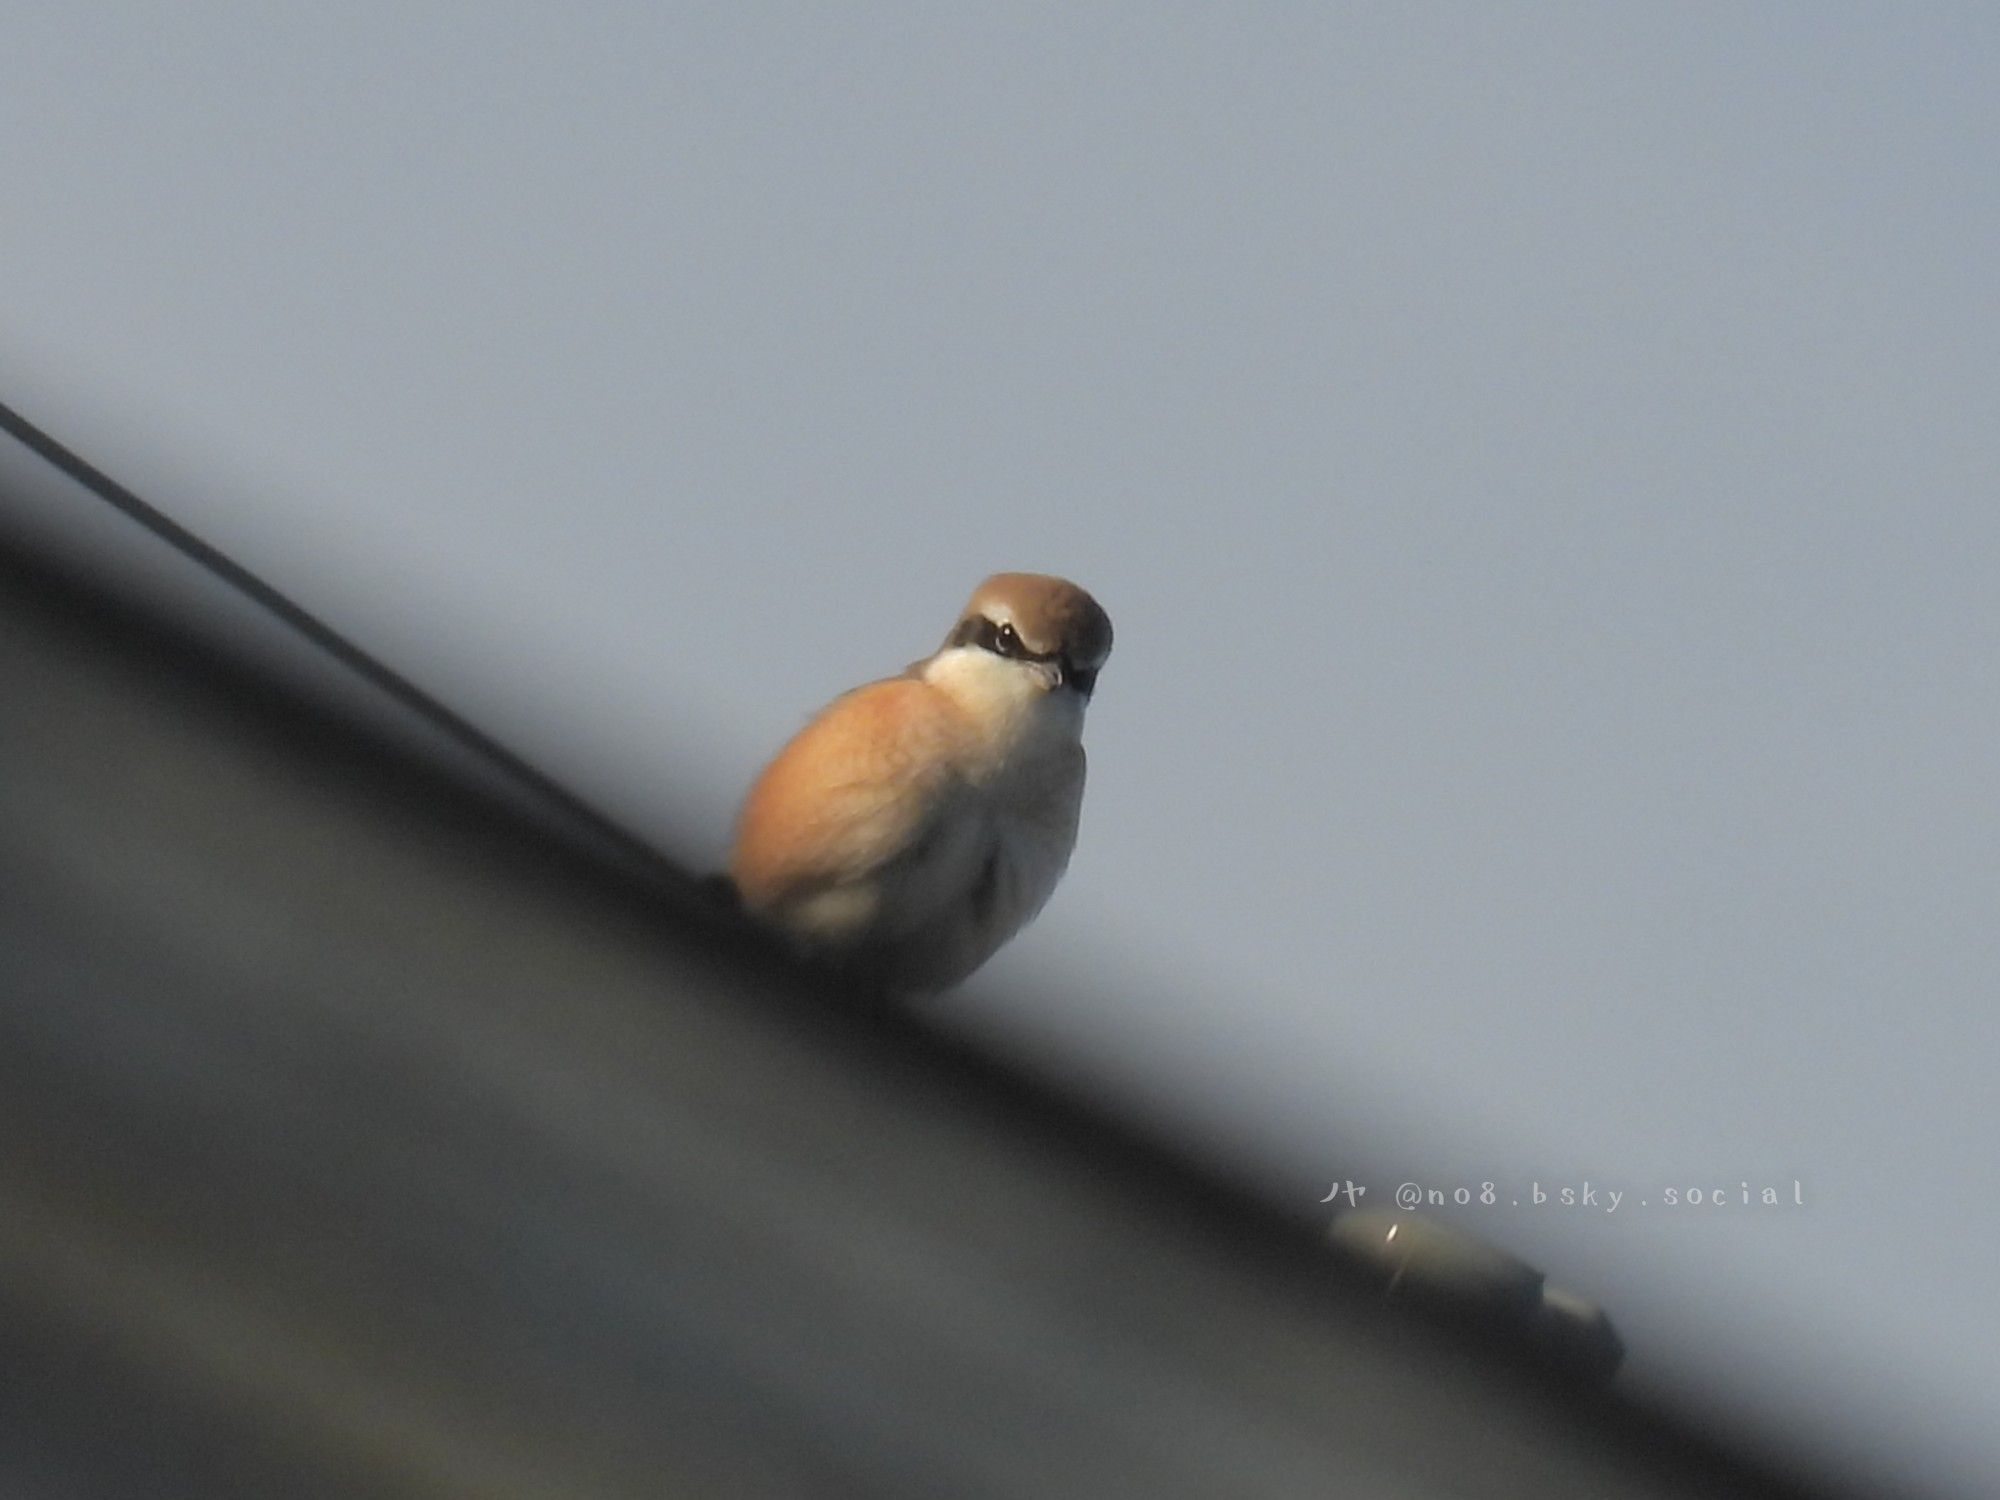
{"x":1004,"y":640}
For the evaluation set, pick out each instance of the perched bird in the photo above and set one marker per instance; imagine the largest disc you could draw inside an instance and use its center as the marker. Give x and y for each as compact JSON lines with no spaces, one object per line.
{"x":919,"y":822}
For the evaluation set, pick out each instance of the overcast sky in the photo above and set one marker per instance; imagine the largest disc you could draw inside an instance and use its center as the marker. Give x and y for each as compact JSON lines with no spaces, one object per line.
{"x":1541,"y":462}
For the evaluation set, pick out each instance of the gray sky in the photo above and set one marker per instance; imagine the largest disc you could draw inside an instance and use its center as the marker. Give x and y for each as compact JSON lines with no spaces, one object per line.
{"x":1541,"y":463}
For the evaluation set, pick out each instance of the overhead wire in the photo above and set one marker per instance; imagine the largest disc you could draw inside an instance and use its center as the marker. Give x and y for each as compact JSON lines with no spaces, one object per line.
{"x":335,"y":644}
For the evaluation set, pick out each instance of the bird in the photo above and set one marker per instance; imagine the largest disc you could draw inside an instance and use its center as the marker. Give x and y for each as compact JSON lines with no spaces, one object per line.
{"x":918,"y":822}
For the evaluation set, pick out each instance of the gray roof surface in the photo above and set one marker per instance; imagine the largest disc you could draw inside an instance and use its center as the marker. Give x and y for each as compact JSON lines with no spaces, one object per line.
{"x":364,"y":1138}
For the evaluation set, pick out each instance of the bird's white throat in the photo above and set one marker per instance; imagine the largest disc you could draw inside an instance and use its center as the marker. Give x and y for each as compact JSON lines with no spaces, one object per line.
{"x":1019,"y":710}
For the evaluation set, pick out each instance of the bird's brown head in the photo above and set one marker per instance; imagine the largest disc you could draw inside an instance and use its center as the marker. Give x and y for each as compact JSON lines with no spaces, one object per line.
{"x":1037,"y":617}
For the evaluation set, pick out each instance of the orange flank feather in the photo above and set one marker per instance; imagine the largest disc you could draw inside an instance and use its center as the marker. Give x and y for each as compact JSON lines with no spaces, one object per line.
{"x":859,"y":784}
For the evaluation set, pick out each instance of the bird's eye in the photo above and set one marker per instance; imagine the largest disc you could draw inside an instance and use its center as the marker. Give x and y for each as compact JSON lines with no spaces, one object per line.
{"x":1007,"y":641}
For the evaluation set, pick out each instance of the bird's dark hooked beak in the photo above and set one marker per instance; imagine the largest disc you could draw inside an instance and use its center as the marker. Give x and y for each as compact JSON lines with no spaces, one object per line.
{"x":1070,"y":675}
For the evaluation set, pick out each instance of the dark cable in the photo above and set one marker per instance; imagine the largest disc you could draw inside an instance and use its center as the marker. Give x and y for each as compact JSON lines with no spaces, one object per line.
{"x":371,"y":668}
